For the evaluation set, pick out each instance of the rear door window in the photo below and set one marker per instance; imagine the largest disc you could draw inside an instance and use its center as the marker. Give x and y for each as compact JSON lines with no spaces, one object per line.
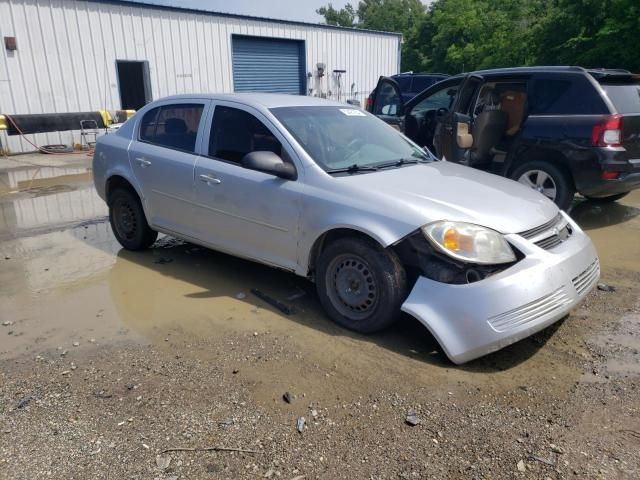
{"x":422,"y":83}
{"x":566,"y":95}
{"x":172,"y":126}
{"x":235,"y":133}
{"x":625,"y":97}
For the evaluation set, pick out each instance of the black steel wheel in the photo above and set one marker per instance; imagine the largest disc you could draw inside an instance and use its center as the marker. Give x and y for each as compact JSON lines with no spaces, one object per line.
{"x":128,"y":221}
{"x":360,"y":284}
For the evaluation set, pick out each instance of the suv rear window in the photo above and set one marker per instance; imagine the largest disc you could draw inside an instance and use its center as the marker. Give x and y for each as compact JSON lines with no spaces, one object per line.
{"x":404,"y":83}
{"x":422,"y":83}
{"x":567,"y":95}
{"x":625,"y":97}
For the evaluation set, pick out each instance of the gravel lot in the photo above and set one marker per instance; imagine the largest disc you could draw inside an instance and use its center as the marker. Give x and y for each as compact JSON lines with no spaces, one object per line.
{"x":110,"y":358}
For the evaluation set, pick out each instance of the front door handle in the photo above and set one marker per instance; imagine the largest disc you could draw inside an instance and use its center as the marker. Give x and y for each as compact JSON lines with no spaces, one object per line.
{"x":142,"y":162}
{"x":209,"y":180}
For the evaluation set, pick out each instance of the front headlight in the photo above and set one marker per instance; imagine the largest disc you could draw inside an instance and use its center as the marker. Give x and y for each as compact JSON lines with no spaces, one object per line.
{"x":469,"y":243}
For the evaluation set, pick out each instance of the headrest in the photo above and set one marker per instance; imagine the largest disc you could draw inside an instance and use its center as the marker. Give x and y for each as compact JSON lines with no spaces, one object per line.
{"x":175,"y":125}
{"x":491,"y":97}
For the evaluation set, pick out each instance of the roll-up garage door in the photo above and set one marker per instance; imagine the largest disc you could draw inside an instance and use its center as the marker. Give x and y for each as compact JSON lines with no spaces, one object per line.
{"x":268,"y":65}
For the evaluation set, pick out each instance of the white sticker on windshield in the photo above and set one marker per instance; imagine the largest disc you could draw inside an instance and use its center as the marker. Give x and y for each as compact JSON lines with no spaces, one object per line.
{"x":350,"y":112}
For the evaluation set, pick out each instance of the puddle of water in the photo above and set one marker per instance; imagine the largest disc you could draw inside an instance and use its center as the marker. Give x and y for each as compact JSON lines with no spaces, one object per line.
{"x":42,"y":198}
{"x":614,"y":229}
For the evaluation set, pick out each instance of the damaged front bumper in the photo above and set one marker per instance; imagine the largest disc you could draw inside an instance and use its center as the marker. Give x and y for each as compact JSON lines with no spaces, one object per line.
{"x":475,"y":319}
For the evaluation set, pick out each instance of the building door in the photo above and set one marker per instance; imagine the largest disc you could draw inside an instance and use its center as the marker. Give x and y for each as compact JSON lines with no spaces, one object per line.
{"x":263,"y":64}
{"x":134,"y":82}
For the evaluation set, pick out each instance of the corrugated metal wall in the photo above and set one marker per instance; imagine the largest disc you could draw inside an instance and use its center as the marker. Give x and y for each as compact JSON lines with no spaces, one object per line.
{"x":65,"y":60}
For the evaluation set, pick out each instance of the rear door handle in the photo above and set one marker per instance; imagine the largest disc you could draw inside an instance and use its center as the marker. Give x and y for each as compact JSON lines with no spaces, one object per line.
{"x":142,"y":162}
{"x":209,"y":180}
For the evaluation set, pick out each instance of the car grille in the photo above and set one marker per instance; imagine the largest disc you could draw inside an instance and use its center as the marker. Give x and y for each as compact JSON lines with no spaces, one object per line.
{"x":549,"y":235}
{"x":530,"y":311}
{"x":583,"y":282}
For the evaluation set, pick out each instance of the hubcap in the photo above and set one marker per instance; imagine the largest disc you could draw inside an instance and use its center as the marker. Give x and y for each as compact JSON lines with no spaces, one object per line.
{"x":351,"y":286}
{"x":540,"y":181}
{"x":125,"y":219}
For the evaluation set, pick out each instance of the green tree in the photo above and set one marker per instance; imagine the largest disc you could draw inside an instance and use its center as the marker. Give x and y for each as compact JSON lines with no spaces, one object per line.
{"x":345,"y":17}
{"x":402,"y":16}
{"x":589,"y":33}
{"x":462,"y":35}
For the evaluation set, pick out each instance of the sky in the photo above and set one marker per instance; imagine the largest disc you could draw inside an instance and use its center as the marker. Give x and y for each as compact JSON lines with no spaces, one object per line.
{"x":300,"y":10}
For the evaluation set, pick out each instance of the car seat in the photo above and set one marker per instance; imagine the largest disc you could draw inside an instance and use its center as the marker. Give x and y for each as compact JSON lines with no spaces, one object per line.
{"x":512,"y":102}
{"x":176,"y":134}
{"x":489,"y":127}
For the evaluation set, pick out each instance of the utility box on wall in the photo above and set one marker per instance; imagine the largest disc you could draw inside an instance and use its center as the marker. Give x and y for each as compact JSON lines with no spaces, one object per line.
{"x":10,"y":43}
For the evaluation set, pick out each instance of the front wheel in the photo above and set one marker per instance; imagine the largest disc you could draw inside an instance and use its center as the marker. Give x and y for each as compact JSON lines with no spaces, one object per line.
{"x":128,"y":221}
{"x":548,"y":179}
{"x":361,"y":285}
{"x":607,"y":199}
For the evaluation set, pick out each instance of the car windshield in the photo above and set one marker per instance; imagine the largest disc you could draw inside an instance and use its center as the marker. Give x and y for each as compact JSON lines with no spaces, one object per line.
{"x":343,"y":137}
{"x":625,"y":97}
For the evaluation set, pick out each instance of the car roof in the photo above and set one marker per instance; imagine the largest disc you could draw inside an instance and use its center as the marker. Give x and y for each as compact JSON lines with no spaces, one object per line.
{"x":596,"y":72}
{"x":268,"y":100}
{"x":411,"y":74}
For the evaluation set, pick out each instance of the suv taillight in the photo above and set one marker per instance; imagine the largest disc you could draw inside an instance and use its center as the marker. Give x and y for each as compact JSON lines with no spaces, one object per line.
{"x":369,"y":103}
{"x":608,"y":132}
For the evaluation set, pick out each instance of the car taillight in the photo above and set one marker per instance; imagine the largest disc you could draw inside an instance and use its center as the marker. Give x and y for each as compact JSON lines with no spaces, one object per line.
{"x":369,"y":102}
{"x":608,"y":175}
{"x":608,"y":132}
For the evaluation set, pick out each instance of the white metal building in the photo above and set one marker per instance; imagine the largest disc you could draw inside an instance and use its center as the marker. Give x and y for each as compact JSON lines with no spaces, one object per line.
{"x":85,"y":55}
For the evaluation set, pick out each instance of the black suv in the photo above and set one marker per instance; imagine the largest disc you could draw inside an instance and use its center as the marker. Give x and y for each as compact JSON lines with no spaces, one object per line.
{"x":557,"y":129}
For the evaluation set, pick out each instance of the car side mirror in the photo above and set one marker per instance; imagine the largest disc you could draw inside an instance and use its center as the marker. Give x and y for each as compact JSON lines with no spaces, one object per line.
{"x":269,"y":162}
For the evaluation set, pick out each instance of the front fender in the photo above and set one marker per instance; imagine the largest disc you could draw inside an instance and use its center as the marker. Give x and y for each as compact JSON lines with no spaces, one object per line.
{"x":382,"y":233}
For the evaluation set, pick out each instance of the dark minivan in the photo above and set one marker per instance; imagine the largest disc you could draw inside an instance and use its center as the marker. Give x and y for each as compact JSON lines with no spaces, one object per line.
{"x":560,"y":130}
{"x":410,"y":84}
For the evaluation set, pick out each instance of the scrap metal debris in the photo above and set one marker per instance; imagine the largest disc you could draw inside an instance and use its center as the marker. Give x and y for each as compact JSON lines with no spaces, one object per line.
{"x":272,"y":301}
{"x":412,"y":418}
{"x":606,"y":288}
{"x":208,"y":449}
{"x":300,"y":424}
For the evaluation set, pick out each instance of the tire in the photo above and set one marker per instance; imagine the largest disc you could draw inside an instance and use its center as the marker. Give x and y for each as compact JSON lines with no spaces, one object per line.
{"x":550,"y":180}
{"x":355,"y":263}
{"x":128,"y":221}
{"x":607,"y":199}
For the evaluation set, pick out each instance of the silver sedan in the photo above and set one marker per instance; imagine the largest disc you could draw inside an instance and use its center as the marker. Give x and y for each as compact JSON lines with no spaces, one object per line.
{"x":334,"y":194}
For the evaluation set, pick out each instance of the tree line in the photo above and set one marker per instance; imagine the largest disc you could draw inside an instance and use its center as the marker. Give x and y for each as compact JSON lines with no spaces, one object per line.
{"x":452,"y":36}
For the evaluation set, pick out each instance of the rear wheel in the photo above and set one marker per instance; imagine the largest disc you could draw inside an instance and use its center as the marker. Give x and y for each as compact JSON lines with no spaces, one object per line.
{"x":128,"y":221}
{"x":607,"y":199}
{"x":548,"y":179}
{"x":361,"y":285}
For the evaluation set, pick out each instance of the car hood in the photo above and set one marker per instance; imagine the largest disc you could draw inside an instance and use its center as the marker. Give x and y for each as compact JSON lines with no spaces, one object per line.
{"x":447,"y":191}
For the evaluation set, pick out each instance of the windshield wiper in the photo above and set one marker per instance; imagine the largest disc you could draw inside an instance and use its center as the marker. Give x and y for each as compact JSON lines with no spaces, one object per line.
{"x":400,"y":163}
{"x":353,"y":169}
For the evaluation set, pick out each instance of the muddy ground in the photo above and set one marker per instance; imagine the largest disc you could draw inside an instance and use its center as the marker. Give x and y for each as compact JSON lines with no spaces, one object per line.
{"x":108,"y":358}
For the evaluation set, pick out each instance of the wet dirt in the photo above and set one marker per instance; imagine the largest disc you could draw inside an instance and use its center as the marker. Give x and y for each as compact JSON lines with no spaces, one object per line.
{"x":211,"y":361}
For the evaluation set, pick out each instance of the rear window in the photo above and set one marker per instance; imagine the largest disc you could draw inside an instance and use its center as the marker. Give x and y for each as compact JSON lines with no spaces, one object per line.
{"x":422,"y":83}
{"x":568,"y":95}
{"x":625,"y":97}
{"x":404,"y":83}
{"x":172,"y":126}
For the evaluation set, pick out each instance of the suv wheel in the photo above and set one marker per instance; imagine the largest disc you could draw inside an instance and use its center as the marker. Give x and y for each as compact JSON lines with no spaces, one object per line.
{"x":547,"y":179}
{"x":608,"y":199}
{"x":128,"y":221}
{"x":361,"y":285}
